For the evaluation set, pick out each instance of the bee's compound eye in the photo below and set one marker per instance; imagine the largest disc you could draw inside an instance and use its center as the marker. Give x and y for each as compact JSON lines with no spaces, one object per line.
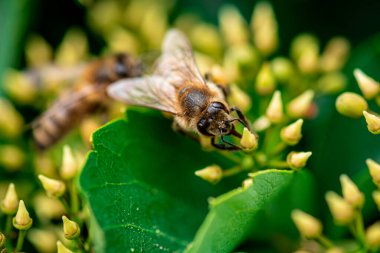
{"x":218,"y":105}
{"x":202,"y":126}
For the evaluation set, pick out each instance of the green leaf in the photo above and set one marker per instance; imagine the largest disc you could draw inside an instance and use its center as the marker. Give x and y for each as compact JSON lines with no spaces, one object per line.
{"x":140,"y":184}
{"x":234,"y":214}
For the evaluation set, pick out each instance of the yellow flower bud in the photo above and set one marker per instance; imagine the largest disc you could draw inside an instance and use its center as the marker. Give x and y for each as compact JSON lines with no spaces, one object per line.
{"x":72,"y":49}
{"x":249,"y":141}
{"x":247,"y":183}
{"x":206,"y":38}
{"x":22,"y":220}
{"x":374,"y":171}
{"x":307,"y":225}
{"x":53,"y":187}
{"x":351,"y":192}
{"x":275,"y":111}
{"x":211,"y":174}
{"x":373,"y":122}
{"x":155,"y":16}
{"x":20,"y":87}
{"x":10,"y":202}
{"x":48,"y":208}
{"x":3,"y":239}
{"x":218,"y":75}
{"x":369,"y":87}
{"x":238,"y":58}
{"x":11,"y":122}
{"x":335,"y":54}
{"x":11,"y":157}
{"x":332,"y":83}
{"x":71,"y":229}
{"x":62,"y":249}
{"x":299,"y":106}
{"x":302,"y":43}
{"x":38,"y":52}
{"x":261,"y":124}
{"x":265,"y":81}
{"x":239,"y":98}
{"x":334,"y":250}
{"x":122,"y":40}
{"x":69,"y":164}
{"x":264,"y":28}
{"x":42,"y":240}
{"x":229,"y":16}
{"x":283,"y":69}
{"x":298,"y":160}
{"x":351,"y":105}
{"x":291,"y":134}
{"x":340,"y":209}
{"x":376,"y":198}
{"x":372,"y":235}
{"x":308,"y":61}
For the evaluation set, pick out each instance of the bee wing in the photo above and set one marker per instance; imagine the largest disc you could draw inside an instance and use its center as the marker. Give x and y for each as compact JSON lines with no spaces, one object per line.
{"x":153,"y":92}
{"x":177,"y":64}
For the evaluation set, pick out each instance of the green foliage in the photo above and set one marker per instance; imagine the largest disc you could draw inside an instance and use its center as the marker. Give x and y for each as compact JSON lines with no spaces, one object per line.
{"x":142,"y":190}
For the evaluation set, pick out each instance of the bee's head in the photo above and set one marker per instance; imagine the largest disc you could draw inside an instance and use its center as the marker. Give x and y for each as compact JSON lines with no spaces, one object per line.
{"x":126,"y":66}
{"x":215,"y":120}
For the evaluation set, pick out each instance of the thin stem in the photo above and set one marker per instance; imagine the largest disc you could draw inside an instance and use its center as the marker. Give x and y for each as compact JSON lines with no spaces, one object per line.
{"x":359,"y":228}
{"x":277,"y":164}
{"x":279,"y":148}
{"x":20,"y":240}
{"x":232,"y":171}
{"x":8,"y":225}
{"x":327,"y":243}
{"x":230,"y":156}
{"x":74,"y":198}
{"x":65,"y":204}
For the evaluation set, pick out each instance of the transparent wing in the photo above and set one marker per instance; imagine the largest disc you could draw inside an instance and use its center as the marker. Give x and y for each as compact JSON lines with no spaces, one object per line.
{"x":177,"y":64}
{"x":152,"y":91}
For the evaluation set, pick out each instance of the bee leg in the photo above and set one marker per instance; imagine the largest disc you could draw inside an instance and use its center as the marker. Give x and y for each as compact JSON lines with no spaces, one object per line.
{"x":242,"y":118}
{"x":235,"y":133}
{"x":230,"y":146}
{"x":177,"y":128}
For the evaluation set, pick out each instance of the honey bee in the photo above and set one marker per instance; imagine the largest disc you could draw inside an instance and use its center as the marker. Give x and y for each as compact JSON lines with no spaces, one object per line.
{"x":177,"y":87}
{"x":88,"y":95}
